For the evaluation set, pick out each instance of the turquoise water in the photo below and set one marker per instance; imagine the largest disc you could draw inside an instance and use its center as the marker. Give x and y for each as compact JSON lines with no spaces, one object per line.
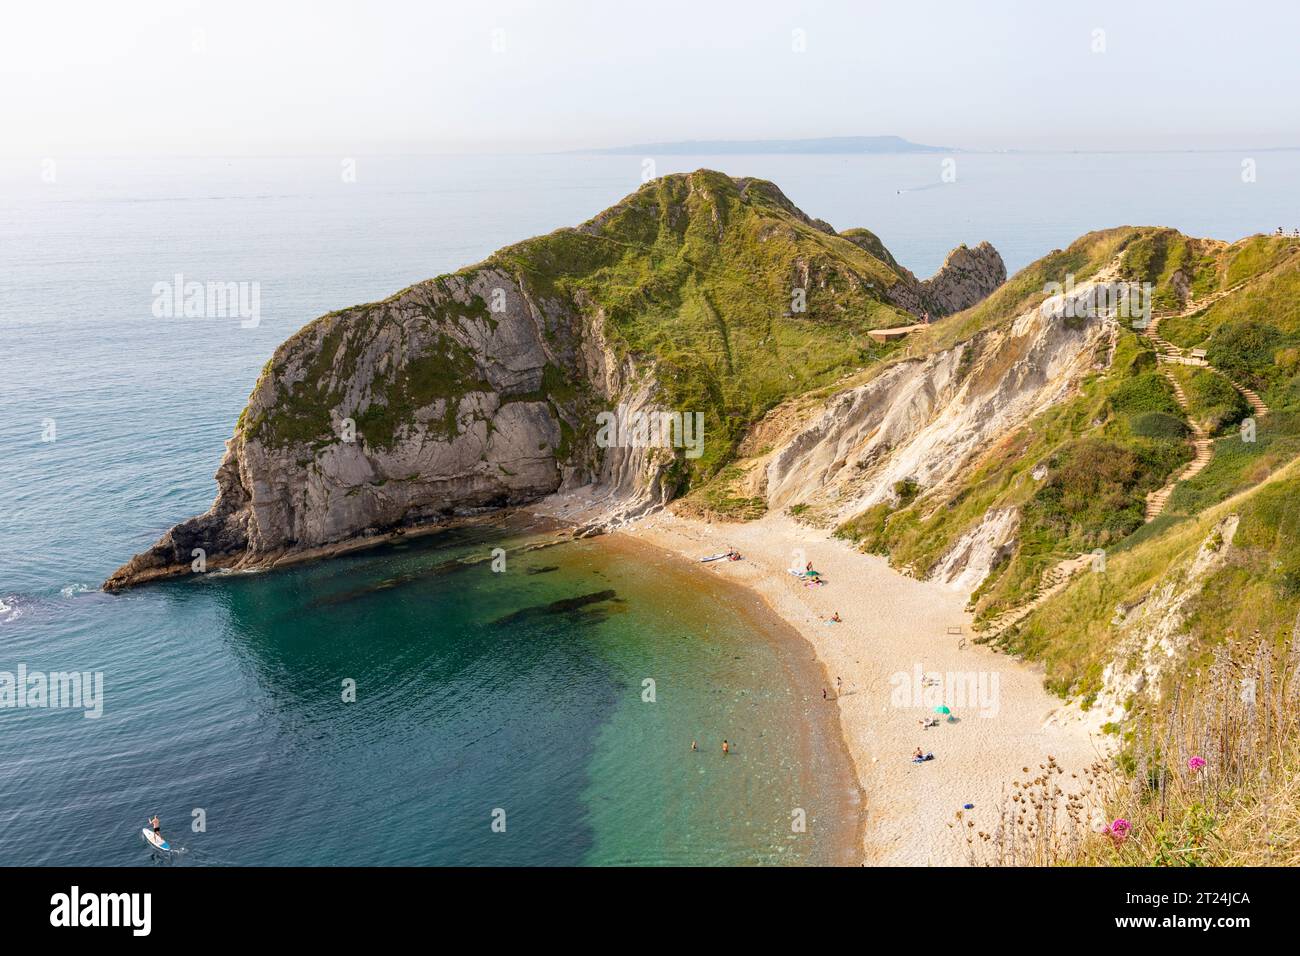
{"x":476,"y":691}
{"x":224,"y":694}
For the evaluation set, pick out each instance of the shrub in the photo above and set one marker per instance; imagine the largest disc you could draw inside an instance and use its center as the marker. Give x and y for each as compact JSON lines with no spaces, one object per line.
{"x":1159,"y":425}
{"x":1096,"y":492}
{"x":1244,"y":350}
{"x":1145,"y":392}
{"x":1215,"y":402}
{"x":906,"y":491}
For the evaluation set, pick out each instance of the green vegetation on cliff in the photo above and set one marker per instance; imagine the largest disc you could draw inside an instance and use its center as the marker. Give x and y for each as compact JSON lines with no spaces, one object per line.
{"x":1248,"y":331}
{"x":1120,"y":436}
{"x":728,"y":294}
{"x":738,"y":299}
{"x":1079,"y":473}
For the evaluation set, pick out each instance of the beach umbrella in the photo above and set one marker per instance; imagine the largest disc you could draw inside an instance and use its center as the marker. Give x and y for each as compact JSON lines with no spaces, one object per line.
{"x":941,"y":709}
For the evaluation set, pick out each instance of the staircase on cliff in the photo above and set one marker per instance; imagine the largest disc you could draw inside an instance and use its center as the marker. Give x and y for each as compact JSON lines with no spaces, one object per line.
{"x":1052,"y":583}
{"x":1157,"y":500}
{"x":1166,"y":351}
{"x":1168,"y":354}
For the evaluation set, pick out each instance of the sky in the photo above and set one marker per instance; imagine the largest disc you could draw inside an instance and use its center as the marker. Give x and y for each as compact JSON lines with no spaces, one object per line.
{"x":274,"y":77}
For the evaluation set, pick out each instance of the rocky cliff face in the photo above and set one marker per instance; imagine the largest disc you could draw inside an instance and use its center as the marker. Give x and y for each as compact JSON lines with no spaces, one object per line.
{"x":482,"y":389}
{"x":924,"y":421}
{"x":423,"y":406}
{"x":966,"y":277}
{"x":1150,"y":636}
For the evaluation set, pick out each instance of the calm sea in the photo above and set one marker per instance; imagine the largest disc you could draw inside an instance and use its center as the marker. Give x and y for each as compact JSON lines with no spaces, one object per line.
{"x":476,"y":692}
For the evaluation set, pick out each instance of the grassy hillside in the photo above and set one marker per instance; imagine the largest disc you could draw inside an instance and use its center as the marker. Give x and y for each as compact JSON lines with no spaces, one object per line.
{"x":1209,"y":760}
{"x":1097,"y":455}
{"x":1123,"y":434}
{"x":1247,"y":332}
{"x":699,"y":272}
{"x":1209,"y":769}
{"x":1251,"y":332}
{"x":735,"y":297}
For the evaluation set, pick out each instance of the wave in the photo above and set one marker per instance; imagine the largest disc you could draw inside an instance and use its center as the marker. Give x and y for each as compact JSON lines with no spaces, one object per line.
{"x":9,"y":609}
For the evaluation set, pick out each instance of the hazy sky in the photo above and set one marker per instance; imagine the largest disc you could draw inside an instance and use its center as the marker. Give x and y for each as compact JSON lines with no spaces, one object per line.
{"x":270,"y":76}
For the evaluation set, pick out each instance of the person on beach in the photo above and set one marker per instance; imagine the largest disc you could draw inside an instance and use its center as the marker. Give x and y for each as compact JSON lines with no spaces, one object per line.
{"x":839,"y":687}
{"x":823,"y":693}
{"x":836,"y":617}
{"x":726,"y":748}
{"x":918,"y":755}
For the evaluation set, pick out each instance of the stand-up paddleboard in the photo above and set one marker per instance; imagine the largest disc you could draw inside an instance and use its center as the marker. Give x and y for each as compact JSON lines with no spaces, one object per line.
{"x":155,"y":841}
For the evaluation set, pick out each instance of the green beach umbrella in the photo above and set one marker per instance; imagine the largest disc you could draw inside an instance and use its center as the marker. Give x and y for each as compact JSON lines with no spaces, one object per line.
{"x":942,"y":710}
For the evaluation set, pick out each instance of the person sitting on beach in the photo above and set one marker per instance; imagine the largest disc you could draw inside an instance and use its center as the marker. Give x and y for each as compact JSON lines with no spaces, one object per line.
{"x":918,"y":755}
{"x":836,"y":617}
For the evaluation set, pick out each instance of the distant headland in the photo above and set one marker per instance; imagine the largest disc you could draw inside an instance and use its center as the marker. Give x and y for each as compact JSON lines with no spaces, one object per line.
{"x":823,"y":145}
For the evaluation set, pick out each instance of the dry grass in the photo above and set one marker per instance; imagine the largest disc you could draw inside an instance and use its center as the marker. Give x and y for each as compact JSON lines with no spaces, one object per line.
{"x":1209,"y":778}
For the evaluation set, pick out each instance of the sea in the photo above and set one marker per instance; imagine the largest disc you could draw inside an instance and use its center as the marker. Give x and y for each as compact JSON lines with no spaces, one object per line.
{"x":413,"y":703}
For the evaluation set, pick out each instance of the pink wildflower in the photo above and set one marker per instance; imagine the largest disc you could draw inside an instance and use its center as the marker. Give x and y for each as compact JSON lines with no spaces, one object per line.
{"x":1118,"y":831}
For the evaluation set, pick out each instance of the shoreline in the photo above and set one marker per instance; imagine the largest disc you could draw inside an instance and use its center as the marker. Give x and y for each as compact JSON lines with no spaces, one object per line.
{"x":800,"y":663}
{"x":894,"y":629}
